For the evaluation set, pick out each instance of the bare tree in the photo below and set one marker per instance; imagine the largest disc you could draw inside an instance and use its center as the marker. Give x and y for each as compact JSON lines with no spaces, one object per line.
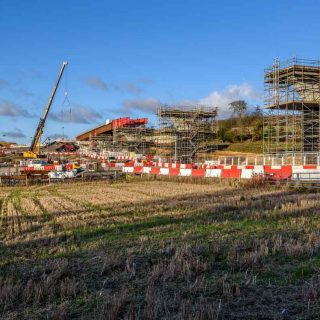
{"x":258,"y":113}
{"x":239,"y":108}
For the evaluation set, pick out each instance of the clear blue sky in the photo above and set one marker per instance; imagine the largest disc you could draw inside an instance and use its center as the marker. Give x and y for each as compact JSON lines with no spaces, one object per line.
{"x":126,"y":56}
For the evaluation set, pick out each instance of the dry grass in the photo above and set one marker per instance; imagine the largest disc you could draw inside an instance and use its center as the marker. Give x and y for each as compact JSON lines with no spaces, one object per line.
{"x":159,"y":249}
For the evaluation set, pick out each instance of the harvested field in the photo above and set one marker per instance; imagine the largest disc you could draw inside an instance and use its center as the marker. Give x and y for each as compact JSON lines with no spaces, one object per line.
{"x":159,"y":249}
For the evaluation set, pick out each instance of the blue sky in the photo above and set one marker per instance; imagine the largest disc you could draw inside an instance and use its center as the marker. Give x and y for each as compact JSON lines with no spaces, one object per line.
{"x":125,"y":57}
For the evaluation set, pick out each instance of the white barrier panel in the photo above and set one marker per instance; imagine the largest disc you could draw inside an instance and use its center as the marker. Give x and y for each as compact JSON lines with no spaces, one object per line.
{"x":299,"y":169}
{"x":57,"y":175}
{"x":127,"y":169}
{"x":164,"y":171}
{"x":305,"y":174}
{"x":70,"y":174}
{"x":138,"y":164}
{"x":119,"y":164}
{"x":213,"y":173}
{"x":146,"y":170}
{"x":246,"y":173}
{"x":185,"y":172}
{"x":257,"y":171}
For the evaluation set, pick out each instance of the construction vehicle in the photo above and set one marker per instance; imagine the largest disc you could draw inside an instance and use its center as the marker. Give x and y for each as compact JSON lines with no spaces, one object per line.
{"x":34,"y":150}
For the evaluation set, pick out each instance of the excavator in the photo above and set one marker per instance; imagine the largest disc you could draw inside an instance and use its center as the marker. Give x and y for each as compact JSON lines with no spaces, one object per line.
{"x":34,"y":150}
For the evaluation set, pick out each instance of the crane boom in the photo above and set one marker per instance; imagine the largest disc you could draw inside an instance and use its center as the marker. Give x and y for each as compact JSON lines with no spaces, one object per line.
{"x":34,"y":149}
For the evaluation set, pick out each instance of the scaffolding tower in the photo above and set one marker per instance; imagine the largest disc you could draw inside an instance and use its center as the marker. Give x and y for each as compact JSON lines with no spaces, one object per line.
{"x":292,"y":100}
{"x":133,"y":139}
{"x":186,"y":133}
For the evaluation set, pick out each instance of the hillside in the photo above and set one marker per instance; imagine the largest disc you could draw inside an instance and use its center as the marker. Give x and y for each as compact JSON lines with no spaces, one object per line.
{"x":246,"y":147}
{"x":242,"y":134}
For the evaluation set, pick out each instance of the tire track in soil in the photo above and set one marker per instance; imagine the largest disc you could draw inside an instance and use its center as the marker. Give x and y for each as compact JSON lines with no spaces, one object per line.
{"x":4,"y":215}
{"x":15,"y":217}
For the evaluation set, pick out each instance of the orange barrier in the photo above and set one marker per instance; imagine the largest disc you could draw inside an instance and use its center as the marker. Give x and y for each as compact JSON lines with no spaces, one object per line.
{"x":129,"y":164}
{"x":310,"y":167}
{"x":137,"y":169}
{"x":280,"y":172}
{"x":49,"y":167}
{"x":233,"y":173}
{"x":155,"y":170}
{"x":198,"y":172}
{"x":174,"y":171}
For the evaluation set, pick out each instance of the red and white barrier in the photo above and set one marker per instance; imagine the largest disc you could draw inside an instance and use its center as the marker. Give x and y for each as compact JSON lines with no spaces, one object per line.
{"x":185,"y":172}
{"x":146,"y":169}
{"x":164,"y":171}
{"x":198,"y":172}
{"x":231,"y":173}
{"x":213,"y":173}
{"x":228,"y":172}
{"x":249,"y":173}
{"x":128,"y":169}
{"x":174,"y":172}
{"x":63,"y":153}
{"x":307,"y":172}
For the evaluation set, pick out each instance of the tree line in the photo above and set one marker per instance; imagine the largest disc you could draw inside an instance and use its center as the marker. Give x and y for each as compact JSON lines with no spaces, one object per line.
{"x":243,"y":124}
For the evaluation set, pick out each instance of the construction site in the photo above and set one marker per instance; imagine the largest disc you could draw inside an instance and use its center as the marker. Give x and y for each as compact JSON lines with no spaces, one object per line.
{"x":160,"y":160}
{"x":292,"y":100}
{"x":115,"y":221}
{"x":186,"y":137}
{"x":186,"y":134}
{"x":118,"y":136}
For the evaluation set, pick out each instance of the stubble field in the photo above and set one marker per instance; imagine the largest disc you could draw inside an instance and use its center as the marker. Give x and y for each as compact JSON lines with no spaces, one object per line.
{"x":159,"y":250}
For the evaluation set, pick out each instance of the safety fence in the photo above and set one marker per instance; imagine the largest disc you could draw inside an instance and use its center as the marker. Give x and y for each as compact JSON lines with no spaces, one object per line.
{"x":267,"y":172}
{"x":48,"y":167}
{"x":107,"y":155}
{"x":294,"y":159}
{"x":56,"y":153}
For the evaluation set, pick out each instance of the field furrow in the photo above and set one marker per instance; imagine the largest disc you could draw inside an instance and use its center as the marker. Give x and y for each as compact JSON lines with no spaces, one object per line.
{"x":159,"y":249}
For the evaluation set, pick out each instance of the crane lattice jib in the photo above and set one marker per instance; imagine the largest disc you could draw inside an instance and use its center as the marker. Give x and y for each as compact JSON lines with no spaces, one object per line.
{"x":42,"y":120}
